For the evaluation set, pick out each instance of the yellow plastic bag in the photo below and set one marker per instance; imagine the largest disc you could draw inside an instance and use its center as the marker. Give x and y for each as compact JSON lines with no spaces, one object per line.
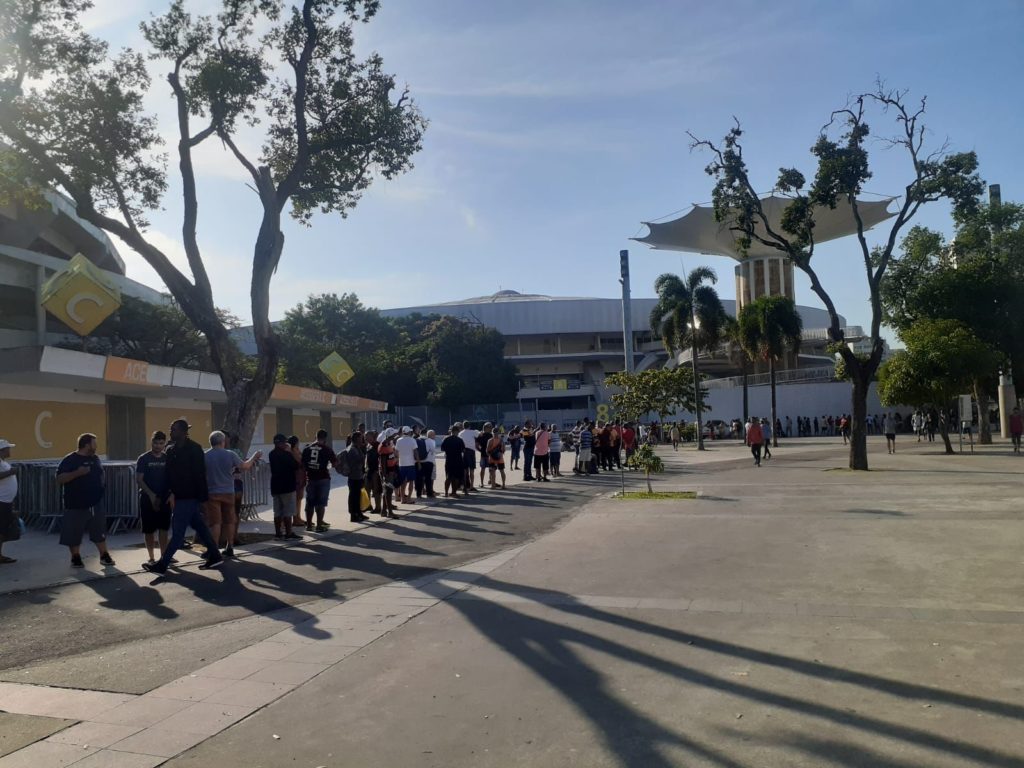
{"x":364,"y":500}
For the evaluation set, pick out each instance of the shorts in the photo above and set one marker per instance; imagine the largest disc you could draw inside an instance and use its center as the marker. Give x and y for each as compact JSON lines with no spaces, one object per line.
{"x":154,"y":520}
{"x":469,"y":459}
{"x":890,"y":435}
{"x":585,"y":456}
{"x":284,"y":505}
{"x":556,"y":458}
{"x":318,"y":492}
{"x":485,"y":462}
{"x":219,"y":509}
{"x":77,"y":521}
{"x":407,"y":474}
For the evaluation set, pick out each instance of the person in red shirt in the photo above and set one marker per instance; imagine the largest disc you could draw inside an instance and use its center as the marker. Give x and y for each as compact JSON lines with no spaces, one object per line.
{"x":628,"y":441}
{"x":755,"y":439}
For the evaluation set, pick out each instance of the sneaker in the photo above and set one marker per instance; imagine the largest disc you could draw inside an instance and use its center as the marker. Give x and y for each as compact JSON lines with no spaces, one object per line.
{"x":320,"y":529}
{"x":293,"y":537}
{"x":107,"y":560}
{"x":309,"y":526}
{"x":278,"y":535}
{"x":76,"y":561}
{"x":211,"y":562}
{"x":154,"y":567}
{"x":229,"y":551}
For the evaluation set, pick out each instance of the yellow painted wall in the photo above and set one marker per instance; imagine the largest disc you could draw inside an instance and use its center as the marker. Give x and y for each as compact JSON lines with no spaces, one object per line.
{"x":48,"y":429}
{"x":305,"y":427}
{"x":161,"y":418}
{"x":341,"y":426}
{"x":269,"y":426}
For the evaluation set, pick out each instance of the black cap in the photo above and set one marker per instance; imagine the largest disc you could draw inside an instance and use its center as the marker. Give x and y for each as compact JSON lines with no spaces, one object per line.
{"x":279,"y":438}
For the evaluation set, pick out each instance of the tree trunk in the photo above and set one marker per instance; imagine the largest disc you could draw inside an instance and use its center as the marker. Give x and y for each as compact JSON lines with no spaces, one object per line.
{"x":648,"y":476}
{"x":771,"y":380}
{"x":859,"y":408}
{"x":696,"y":396}
{"x":944,"y":428}
{"x":984,"y":426}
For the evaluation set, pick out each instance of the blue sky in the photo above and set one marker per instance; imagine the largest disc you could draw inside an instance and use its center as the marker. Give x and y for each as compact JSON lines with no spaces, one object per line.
{"x":557,"y":126}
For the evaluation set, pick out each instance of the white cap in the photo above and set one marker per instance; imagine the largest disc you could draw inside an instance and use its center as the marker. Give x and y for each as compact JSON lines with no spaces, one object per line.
{"x":406,"y":430}
{"x":5,"y":444}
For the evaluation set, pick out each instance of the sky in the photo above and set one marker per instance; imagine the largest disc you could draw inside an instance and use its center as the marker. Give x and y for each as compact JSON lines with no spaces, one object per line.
{"x":558,"y":126}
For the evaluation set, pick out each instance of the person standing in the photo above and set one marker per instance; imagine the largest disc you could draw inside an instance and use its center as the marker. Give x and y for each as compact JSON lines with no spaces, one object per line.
{"x":555,"y":452}
{"x":495,"y":453}
{"x":151,"y":476}
{"x":482,"y":439}
{"x":529,"y":445}
{"x":300,"y":480}
{"x":515,"y":444}
{"x":454,"y":450}
{"x":428,"y":462}
{"x":81,"y":475}
{"x":586,"y":448}
{"x":541,"y":459}
{"x":8,"y":492}
{"x":222,"y":465}
{"x":755,"y":439}
{"x":628,"y":441}
{"x":374,"y":484}
{"x":766,"y":436}
{"x":674,"y":432}
{"x":468,"y":436}
{"x":389,"y":469}
{"x":186,"y":481}
{"x":317,"y":460}
{"x":1016,"y":428}
{"x":283,"y":466}
{"x":352,"y":464}
{"x":889,"y":429}
{"x":408,"y":462}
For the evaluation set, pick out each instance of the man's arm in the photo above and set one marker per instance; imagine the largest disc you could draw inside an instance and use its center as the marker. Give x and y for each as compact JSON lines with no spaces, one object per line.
{"x":247,"y":464}
{"x":8,"y":472}
{"x":63,"y":478}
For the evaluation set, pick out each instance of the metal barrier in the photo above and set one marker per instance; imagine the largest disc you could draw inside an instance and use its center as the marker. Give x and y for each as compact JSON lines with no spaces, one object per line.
{"x":40,"y":503}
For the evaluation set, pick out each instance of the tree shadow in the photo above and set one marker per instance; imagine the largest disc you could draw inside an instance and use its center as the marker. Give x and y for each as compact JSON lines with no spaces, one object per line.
{"x":547,"y":648}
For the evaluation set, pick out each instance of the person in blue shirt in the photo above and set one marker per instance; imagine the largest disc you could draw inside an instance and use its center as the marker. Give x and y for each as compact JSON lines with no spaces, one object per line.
{"x":81,"y":476}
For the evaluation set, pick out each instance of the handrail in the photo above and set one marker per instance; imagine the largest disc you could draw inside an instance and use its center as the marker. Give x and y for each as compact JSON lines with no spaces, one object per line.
{"x":793,"y":376}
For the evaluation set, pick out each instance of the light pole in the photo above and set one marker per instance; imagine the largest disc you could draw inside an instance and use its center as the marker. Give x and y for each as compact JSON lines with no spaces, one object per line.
{"x":694,"y":327}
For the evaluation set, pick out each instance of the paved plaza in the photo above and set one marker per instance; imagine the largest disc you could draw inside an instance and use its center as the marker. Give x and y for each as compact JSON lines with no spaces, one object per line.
{"x":793,"y":615}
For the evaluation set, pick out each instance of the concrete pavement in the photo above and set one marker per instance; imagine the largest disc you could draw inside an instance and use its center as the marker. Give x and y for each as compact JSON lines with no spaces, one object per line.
{"x":795,"y":614}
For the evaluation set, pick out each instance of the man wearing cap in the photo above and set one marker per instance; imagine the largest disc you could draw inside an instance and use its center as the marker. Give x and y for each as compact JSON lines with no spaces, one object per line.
{"x":283,"y":469}
{"x":186,"y":481}
{"x":81,"y":475}
{"x":8,"y":491}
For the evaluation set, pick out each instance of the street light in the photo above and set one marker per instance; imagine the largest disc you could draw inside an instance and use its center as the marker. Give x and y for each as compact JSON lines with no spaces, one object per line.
{"x":694,"y":326}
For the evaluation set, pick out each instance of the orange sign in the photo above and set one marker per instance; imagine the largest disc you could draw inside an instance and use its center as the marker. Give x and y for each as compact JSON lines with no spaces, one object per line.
{"x":126,"y":371}
{"x":301,"y":394}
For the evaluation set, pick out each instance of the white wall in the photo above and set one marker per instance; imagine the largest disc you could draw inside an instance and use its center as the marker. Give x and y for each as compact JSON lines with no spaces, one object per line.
{"x":822,"y":398}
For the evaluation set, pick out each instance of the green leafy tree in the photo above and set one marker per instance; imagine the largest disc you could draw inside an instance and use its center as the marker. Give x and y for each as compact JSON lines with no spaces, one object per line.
{"x":332,"y":123}
{"x":326,"y":323}
{"x":659,"y":390}
{"x":769,"y":328}
{"x":842,"y":170}
{"x":941,"y":360}
{"x":739,"y":357}
{"x":647,"y":459}
{"x":160,"y":334}
{"x":689,"y":314}
{"x":977,"y":279}
{"x":465,"y":363}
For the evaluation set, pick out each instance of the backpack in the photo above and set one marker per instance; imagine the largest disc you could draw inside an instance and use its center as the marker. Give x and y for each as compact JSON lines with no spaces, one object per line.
{"x":342,"y":466}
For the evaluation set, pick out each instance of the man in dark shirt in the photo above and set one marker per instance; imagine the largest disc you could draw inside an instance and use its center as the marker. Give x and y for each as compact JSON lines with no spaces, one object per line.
{"x":529,"y":443}
{"x":283,"y":467}
{"x":151,"y":476}
{"x":186,"y":484}
{"x":352,"y":464}
{"x":81,"y":475}
{"x":317,"y":460}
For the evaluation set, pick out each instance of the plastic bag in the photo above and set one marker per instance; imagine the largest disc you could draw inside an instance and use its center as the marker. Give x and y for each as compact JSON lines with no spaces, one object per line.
{"x":364,"y":500}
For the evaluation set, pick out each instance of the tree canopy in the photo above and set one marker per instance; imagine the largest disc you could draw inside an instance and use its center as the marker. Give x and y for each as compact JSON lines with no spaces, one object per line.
{"x":321,"y":125}
{"x":843,"y":168}
{"x":658,"y":390}
{"x":679,"y":302}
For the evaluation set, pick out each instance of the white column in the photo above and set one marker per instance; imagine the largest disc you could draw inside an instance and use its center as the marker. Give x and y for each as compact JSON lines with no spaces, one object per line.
{"x":767,"y":267}
{"x":750,"y":278}
{"x":782,"y":277}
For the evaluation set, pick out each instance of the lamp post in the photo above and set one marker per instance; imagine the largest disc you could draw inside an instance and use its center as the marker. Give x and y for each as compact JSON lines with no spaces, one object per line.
{"x":694,"y":327}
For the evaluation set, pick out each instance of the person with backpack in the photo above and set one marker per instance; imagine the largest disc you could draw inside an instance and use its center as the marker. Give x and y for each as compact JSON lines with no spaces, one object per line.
{"x":352,"y":464}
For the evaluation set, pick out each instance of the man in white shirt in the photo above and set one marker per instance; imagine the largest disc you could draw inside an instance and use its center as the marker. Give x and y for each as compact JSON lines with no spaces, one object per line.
{"x":408,"y":461}
{"x":8,"y":491}
{"x":469,"y":436}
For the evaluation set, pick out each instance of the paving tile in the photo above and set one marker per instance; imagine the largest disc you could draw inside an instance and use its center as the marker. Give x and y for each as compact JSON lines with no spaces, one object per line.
{"x":108,"y":758}
{"x":233,"y":667}
{"x":997,"y":617}
{"x":290,"y":672}
{"x":97,"y":735}
{"x":45,"y":754}
{"x":159,"y":741}
{"x":267,"y":650}
{"x":65,"y":703}
{"x":345,"y":621}
{"x":665,"y":603}
{"x":941,"y":614}
{"x":825,"y":609}
{"x":351,"y":608}
{"x":716,"y":606}
{"x":252,"y":693}
{"x":190,"y":688}
{"x":770,"y":607}
{"x":143,"y":712}
{"x":605,"y":601}
{"x":881,"y":612}
{"x":320,"y":654}
{"x":206,"y":718}
{"x":353,"y":637}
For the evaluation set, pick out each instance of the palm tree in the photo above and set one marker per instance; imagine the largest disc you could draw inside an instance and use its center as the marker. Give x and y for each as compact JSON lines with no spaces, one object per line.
{"x":689,"y":314}
{"x":769,"y":328}
{"x":738,"y":356}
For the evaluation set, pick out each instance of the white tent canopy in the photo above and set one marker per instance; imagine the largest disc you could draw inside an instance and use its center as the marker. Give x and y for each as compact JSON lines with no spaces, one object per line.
{"x":698,"y":232}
